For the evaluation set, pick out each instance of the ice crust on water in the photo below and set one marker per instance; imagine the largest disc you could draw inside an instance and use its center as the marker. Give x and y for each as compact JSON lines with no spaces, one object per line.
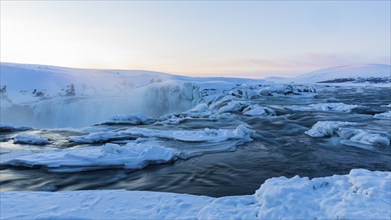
{"x":332,"y":107}
{"x":384,"y":115}
{"x":30,"y":139}
{"x":350,"y":136}
{"x":361,"y":194}
{"x":211,"y":135}
{"x":150,"y":147}
{"x":129,"y":156}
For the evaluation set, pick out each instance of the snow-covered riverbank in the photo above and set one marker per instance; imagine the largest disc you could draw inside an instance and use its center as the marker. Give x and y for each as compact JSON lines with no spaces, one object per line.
{"x":362,"y":194}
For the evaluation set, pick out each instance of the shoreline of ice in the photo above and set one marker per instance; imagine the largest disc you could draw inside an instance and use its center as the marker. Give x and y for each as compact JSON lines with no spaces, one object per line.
{"x":361,"y":194}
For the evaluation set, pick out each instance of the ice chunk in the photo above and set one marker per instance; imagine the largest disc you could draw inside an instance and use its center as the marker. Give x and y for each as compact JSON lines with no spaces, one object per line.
{"x":369,"y":137}
{"x":257,"y":110}
{"x":130,"y":156}
{"x":30,"y":139}
{"x":233,"y":106}
{"x":327,"y":128}
{"x":332,"y":107}
{"x":129,"y":119}
{"x":350,"y":136}
{"x":384,"y":115}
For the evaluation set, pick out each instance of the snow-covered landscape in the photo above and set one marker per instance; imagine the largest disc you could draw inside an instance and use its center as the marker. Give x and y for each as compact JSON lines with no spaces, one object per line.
{"x":145,"y":120}
{"x":195,"y":110}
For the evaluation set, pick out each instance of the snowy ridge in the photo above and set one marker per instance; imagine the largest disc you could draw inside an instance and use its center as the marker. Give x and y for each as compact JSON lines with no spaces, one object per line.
{"x":354,"y":74}
{"x":362,"y":194}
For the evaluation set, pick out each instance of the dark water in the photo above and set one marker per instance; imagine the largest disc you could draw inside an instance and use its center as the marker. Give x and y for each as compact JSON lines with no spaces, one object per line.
{"x":280,"y":149}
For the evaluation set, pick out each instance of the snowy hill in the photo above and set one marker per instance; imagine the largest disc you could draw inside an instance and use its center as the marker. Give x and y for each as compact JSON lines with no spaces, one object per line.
{"x":370,"y":73}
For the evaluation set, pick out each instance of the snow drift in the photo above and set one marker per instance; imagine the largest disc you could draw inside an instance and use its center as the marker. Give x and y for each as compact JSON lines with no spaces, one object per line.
{"x":361,"y":194}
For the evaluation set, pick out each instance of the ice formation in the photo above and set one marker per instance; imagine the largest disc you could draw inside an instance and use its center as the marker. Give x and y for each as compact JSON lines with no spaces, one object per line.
{"x":384,"y":115}
{"x":332,"y":107}
{"x":350,"y":136}
{"x":30,"y":139}
{"x":129,"y":156}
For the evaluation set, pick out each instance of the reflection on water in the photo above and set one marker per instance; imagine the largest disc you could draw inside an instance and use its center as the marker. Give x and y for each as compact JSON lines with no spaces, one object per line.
{"x":280,"y":149}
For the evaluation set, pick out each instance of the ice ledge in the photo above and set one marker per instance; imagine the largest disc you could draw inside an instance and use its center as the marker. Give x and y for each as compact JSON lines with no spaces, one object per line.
{"x":362,"y":194}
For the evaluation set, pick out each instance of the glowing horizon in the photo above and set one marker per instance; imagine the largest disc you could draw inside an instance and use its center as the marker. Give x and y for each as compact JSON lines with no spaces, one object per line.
{"x":242,"y":39}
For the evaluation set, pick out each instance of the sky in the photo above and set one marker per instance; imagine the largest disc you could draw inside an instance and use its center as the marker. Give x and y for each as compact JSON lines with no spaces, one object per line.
{"x":198,"y":38}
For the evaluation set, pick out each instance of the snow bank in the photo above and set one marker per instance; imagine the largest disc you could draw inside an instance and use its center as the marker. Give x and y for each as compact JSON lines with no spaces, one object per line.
{"x":332,"y":107}
{"x":30,"y":139}
{"x":384,"y":115}
{"x":350,"y":136}
{"x":362,"y":194}
{"x":130,"y":156}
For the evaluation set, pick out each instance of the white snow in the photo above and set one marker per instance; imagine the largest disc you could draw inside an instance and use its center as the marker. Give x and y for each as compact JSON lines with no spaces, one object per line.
{"x":332,"y":107}
{"x":30,"y":139}
{"x":384,"y":115}
{"x":362,"y":194}
{"x":130,"y":156}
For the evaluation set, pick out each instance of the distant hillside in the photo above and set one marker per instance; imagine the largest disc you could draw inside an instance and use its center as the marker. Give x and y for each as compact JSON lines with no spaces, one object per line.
{"x":370,"y":73}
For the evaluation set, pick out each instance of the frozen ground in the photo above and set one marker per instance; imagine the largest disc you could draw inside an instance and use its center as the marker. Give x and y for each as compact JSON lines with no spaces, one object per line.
{"x":362,"y":194}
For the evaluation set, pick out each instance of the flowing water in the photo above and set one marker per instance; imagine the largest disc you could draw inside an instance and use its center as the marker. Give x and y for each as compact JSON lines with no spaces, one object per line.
{"x":280,"y":148}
